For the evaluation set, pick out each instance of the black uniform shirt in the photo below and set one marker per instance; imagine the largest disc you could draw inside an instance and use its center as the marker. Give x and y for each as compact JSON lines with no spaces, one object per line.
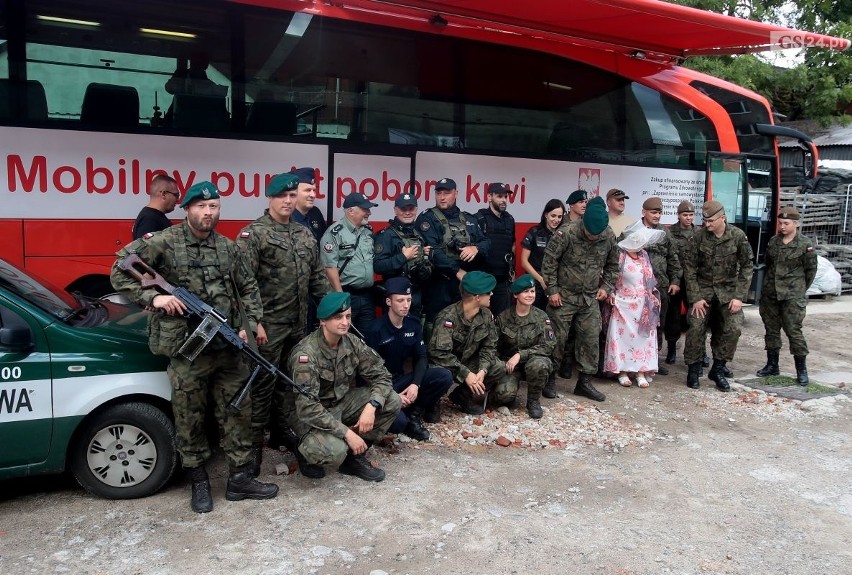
{"x":402,"y":348}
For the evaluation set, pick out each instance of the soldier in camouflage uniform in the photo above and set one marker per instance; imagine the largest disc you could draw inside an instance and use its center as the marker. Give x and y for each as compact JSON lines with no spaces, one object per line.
{"x":193,"y":255}
{"x":464,"y":341}
{"x":665,"y":263}
{"x":718,"y":269}
{"x":347,"y":418}
{"x":791,"y":266}
{"x":282,"y":255}
{"x":580,"y":268}
{"x":526,"y":342}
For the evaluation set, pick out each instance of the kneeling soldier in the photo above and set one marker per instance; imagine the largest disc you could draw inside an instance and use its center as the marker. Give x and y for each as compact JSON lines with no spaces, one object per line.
{"x":347,"y":419}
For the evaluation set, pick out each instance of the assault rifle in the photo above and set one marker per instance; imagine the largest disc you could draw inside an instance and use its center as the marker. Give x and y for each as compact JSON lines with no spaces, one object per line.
{"x":212,"y":323}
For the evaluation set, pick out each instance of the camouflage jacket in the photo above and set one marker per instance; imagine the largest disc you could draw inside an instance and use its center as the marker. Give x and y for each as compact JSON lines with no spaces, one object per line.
{"x":285,"y":262}
{"x":790,"y":268}
{"x":577,"y":266}
{"x":665,"y":261}
{"x":529,"y":335}
{"x":329,"y":374}
{"x":718,"y":267}
{"x":463,"y":346}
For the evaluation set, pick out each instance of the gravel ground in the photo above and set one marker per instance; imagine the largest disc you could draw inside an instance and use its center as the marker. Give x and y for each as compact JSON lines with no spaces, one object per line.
{"x":661,"y":480}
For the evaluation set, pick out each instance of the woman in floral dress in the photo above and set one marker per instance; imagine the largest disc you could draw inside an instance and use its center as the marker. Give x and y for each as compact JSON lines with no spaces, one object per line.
{"x":631,"y":345}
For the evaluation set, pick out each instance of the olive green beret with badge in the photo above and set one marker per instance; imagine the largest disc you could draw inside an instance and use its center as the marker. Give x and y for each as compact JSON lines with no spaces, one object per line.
{"x":523,"y":283}
{"x":653,"y":203}
{"x":711,"y":208}
{"x":685,"y":207}
{"x":333,"y":303}
{"x":282,"y":183}
{"x":478,"y":283}
{"x":788,"y":213}
{"x":200,"y":191}
{"x":596,"y":219}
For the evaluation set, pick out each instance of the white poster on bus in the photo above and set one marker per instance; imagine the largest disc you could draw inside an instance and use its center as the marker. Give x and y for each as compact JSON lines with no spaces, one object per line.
{"x":64,"y":174}
{"x":379,"y":178}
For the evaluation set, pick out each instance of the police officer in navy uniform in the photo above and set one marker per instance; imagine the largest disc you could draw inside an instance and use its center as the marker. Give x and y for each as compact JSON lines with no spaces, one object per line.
{"x":458,"y":246}
{"x":346,"y":253}
{"x":400,"y":250}
{"x":306,"y":213}
{"x":398,"y":338}
{"x":498,"y":225}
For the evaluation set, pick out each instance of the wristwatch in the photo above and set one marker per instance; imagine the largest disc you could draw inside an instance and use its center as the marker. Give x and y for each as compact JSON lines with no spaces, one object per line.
{"x":375,"y":404}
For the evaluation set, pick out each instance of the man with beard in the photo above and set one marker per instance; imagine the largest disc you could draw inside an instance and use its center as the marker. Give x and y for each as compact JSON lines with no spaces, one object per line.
{"x":498,"y":225}
{"x":164,"y":195}
{"x":400,"y":250}
{"x":193,"y":255}
{"x":458,"y":246}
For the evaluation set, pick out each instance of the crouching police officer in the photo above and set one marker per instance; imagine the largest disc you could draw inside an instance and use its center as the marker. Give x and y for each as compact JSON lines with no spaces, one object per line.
{"x":398,"y":338}
{"x":340,"y":426}
{"x":193,"y":255}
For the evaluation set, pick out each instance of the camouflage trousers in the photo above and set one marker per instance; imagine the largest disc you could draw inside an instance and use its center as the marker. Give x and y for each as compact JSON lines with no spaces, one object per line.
{"x":585,"y":319}
{"x":272,"y":401}
{"x":500,"y":387}
{"x":789,"y":315}
{"x":725,"y":329}
{"x":321,"y":447}
{"x":535,"y":371}
{"x":219,"y":373}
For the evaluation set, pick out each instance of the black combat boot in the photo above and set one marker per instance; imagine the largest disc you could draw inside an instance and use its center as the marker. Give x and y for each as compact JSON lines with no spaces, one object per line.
{"x":771,"y":367}
{"x":202,"y":501}
{"x":549,"y":390}
{"x":433,"y":413}
{"x":801,"y":370}
{"x":415,"y":429}
{"x":693,"y":373}
{"x":671,"y":353}
{"x":256,"y":460}
{"x":726,"y":371}
{"x":566,"y":369}
{"x":662,"y":369}
{"x":241,"y":485}
{"x":705,"y":361}
{"x":464,"y":401}
{"x":360,"y":466}
{"x":290,"y":440}
{"x":585,"y":388}
{"x":534,"y":405}
{"x":717,"y":374}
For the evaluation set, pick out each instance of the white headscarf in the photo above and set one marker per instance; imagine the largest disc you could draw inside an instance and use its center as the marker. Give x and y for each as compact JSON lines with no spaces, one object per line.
{"x":639,"y":237}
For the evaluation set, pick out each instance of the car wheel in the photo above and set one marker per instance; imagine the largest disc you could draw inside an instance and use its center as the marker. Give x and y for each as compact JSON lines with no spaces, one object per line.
{"x":124,"y":452}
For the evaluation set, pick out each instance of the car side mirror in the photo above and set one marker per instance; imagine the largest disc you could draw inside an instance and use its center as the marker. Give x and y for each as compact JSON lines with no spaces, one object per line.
{"x":16,"y":339}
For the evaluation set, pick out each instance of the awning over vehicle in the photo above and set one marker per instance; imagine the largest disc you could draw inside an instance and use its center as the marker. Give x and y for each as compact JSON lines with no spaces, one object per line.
{"x":649,"y":26}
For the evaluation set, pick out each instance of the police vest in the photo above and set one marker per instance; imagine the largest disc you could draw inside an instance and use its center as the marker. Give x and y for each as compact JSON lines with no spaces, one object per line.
{"x":456,"y":236}
{"x":420,"y":268}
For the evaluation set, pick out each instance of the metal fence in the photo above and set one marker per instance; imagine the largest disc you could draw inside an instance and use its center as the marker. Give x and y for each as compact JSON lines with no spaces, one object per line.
{"x":827,"y":221}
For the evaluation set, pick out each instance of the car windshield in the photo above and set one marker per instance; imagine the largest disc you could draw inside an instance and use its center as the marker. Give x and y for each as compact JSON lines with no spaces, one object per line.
{"x":38,"y":292}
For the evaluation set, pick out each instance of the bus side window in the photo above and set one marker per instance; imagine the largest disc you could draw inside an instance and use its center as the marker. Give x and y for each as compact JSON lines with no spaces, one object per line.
{"x":24,"y":100}
{"x":109,"y":106}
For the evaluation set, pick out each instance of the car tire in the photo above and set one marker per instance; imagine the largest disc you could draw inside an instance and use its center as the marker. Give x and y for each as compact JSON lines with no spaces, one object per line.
{"x":124,"y":452}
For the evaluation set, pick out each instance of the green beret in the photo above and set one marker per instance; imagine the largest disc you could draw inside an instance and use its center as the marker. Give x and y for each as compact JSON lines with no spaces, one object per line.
{"x":577,"y":196}
{"x":596,"y":218}
{"x":200,"y":191}
{"x":282,"y":183}
{"x":524,"y":282}
{"x":332,"y":303}
{"x":478,"y":283}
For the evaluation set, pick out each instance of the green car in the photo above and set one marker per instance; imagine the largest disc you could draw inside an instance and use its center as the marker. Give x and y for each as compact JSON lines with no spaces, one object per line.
{"x":80,"y":390}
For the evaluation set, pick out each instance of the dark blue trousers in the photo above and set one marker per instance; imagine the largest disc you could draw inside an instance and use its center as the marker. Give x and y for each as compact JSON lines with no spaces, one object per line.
{"x":436,"y":382}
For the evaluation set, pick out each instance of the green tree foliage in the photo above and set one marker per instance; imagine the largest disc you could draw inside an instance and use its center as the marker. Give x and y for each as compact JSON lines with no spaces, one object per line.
{"x":819,"y":88}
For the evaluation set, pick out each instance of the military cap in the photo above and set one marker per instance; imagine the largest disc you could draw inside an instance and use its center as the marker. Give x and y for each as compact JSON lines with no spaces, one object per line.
{"x":332,"y":303}
{"x":397,"y":286}
{"x":478,"y":283}
{"x":577,"y":196}
{"x":595,"y":219}
{"x":788,"y":213}
{"x":358,"y":200}
{"x":524,"y":282}
{"x":445,"y":184}
{"x":305,"y":175}
{"x":405,"y":200}
{"x":616,"y":193}
{"x":200,"y":191}
{"x":685,"y":207}
{"x":711,"y":208}
{"x":282,"y":183}
{"x":498,"y":188}
{"x":652,"y":203}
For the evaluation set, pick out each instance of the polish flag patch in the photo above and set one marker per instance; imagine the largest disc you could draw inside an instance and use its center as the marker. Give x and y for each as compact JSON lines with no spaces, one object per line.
{"x":244,"y":234}
{"x":448,"y":324}
{"x":303,"y":359}
{"x":149,"y":235}
{"x":547,"y":322}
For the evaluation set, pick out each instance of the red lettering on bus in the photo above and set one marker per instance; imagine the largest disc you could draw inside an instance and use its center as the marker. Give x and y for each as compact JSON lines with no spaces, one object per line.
{"x":472,"y":191}
{"x":255,"y":191}
{"x":15,"y":169}
{"x":339,"y":194}
{"x":92,"y":174}
{"x":371,"y":183}
{"x":386,"y":183}
{"x":215,"y":178}
{"x":184,"y":186}
{"x":76,"y":179}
